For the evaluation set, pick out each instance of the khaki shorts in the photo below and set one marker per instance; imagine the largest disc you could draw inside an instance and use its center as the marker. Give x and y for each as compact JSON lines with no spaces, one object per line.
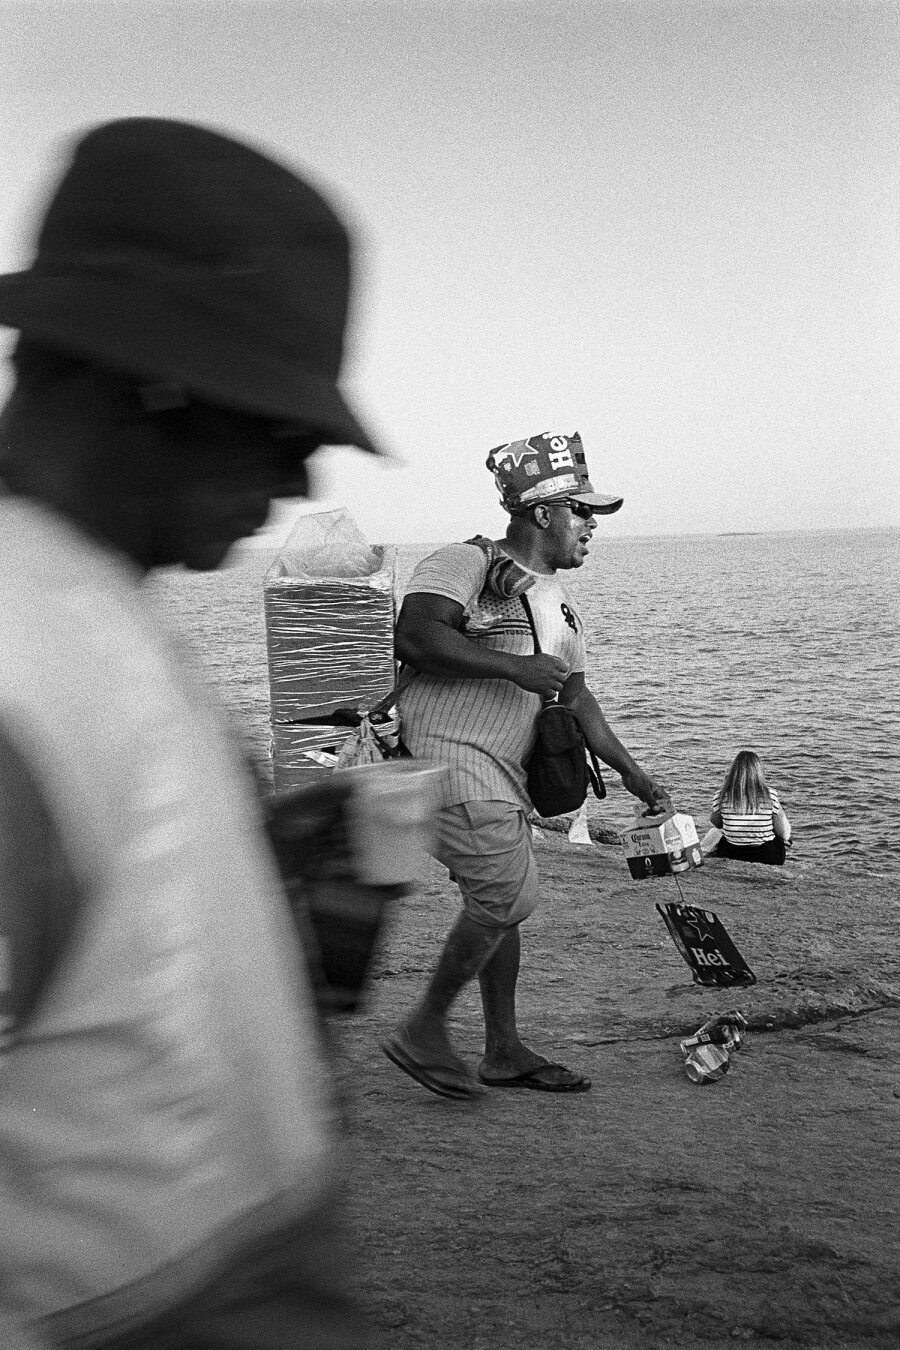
{"x":487,"y":848}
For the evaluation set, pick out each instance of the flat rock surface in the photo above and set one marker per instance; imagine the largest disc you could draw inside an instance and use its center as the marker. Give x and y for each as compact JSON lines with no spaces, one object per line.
{"x":648,"y":1212}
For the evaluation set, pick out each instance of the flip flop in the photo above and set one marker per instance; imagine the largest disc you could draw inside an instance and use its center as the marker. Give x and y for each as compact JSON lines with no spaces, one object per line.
{"x":536,"y":1079}
{"x":446,"y":1078}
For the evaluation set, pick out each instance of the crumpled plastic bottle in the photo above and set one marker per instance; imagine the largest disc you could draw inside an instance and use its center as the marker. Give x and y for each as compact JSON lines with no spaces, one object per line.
{"x":726,"y":1029}
{"x":707,"y":1064}
{"x":708,"y":1052}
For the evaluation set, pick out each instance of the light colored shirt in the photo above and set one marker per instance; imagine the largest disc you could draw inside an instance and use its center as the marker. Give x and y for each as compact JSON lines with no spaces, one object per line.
{"x":749,"y":831}
{"x":482,"y":730}
{"x":169,"y":1093}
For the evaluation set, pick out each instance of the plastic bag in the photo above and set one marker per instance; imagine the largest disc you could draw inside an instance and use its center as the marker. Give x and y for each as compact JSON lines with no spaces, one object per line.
{"x":710,"y":841}
{"x":362,"y":746}
{"x":328,"y":544}
{"x":376,"y":738}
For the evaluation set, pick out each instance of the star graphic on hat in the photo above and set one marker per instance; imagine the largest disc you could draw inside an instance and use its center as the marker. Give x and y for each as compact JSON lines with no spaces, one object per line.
{"x":515,"y":451}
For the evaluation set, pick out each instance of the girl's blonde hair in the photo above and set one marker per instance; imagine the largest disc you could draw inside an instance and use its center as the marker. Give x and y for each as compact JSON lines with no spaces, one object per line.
{"x":745,"y":790}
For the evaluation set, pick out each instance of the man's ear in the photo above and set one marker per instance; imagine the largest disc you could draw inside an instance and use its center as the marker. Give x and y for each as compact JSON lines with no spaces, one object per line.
{"x":541,"y":517}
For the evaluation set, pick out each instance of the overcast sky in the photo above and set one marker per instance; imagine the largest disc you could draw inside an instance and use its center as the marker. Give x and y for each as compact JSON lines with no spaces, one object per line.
{"x":674,"y":227}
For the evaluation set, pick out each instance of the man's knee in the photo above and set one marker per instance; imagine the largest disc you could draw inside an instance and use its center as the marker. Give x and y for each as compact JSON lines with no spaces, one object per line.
{"x":500,"y":913}
{"x":486,"y":847}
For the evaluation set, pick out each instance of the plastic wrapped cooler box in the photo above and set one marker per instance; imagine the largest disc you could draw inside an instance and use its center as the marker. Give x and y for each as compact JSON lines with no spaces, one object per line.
{"x":330,"y":609}
{"x":302,"y":751}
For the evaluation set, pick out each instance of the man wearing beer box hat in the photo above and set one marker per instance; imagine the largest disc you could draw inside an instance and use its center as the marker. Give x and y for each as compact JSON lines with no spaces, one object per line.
{"x":473,"y":706}
{"x":549,"y":469}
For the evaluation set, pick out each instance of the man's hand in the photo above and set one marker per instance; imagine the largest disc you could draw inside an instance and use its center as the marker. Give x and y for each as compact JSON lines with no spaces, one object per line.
{"x":429,"y":637}
{"x":543,"y":674}
{"x":641,"y":785}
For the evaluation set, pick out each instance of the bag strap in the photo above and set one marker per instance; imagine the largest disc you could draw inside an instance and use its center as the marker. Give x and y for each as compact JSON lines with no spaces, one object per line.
{"x":387,"y":701}
{"x":551,"y":698}
{"x":594,"y":773}
{"x":597,"y":784}
{"x":530,"y":617}
{"x":408,"y":673}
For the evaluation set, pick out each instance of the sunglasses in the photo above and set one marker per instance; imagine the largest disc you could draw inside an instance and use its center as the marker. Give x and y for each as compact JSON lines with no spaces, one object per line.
{"x":582,"y":509}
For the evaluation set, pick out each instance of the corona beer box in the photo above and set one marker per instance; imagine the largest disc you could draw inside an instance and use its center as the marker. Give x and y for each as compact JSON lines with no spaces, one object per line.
{"x":658,"y":845}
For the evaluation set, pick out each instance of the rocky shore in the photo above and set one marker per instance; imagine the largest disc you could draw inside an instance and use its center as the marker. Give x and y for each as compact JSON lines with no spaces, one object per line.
{"x":649,"y":1212}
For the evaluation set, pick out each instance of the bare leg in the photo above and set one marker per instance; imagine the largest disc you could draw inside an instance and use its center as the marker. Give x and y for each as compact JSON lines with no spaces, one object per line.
{"x":421,"y":1046}
{"x":467,"y":948}
{"x":504,"y":1052}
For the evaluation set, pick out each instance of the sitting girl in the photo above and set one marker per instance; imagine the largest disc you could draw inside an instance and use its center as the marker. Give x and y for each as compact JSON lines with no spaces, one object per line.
{"x":748,"y":812}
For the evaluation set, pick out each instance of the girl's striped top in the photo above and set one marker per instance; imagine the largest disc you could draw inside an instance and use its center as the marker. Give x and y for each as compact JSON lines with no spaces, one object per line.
{"x":749,"y":831}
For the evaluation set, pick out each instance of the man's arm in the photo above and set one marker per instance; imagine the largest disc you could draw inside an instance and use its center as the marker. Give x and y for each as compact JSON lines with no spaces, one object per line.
{"x":429,"y":638}
{"x":606,"y":745}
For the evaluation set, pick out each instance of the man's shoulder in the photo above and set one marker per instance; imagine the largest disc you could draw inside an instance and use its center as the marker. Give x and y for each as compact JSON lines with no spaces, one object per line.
{"x":550,"y":589}
{"x":456,"y":571}
{"x":464,"y":552}
{"x":551,"y":582}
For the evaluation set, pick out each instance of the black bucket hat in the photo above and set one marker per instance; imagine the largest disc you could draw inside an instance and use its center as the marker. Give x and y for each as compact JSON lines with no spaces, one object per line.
{"x":177,"y":254}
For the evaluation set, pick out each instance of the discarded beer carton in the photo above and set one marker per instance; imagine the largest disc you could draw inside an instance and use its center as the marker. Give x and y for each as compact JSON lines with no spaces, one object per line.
{"x":656,"y":846}
{"x":703,"y":941}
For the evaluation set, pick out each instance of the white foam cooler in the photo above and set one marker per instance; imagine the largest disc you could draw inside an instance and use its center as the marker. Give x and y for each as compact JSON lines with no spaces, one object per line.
{"x":330,"y":639}
{"x":330,"y":608}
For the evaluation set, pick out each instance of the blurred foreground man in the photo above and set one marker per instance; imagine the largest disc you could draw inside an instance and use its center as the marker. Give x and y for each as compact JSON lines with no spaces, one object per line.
{"x":473,"y":707}
{"x":167,"y":1129}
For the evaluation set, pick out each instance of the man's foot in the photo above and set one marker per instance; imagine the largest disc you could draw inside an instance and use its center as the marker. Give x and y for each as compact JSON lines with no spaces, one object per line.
{"x":433,"y":1065}
{"x":540,"y":1075}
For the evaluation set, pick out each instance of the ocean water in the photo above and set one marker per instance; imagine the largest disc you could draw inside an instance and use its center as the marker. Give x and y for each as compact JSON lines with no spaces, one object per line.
{"x":698,"y":646}
{"x":784,"y":643}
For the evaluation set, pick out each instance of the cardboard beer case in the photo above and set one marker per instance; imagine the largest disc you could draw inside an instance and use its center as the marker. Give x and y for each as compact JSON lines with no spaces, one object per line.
{"x":703,"y":941}
{"x":657,"y":846}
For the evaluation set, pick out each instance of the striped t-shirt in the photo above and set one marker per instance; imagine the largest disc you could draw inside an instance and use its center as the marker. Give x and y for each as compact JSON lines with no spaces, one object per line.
{"x":747,"y":831}
{"x":482,"y":730}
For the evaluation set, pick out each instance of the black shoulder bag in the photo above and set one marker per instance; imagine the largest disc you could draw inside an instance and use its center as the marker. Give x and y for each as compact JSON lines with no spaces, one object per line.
{"x":558,"y":768}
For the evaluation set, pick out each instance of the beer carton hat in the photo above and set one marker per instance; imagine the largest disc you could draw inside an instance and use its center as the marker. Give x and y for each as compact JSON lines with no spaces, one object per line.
{"x":176,"y":254}
{"x":545,"y":468}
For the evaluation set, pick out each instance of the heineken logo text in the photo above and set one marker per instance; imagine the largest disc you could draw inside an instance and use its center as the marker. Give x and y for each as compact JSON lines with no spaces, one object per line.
{"x":559,"y":454}
{"x":713,"y":958}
